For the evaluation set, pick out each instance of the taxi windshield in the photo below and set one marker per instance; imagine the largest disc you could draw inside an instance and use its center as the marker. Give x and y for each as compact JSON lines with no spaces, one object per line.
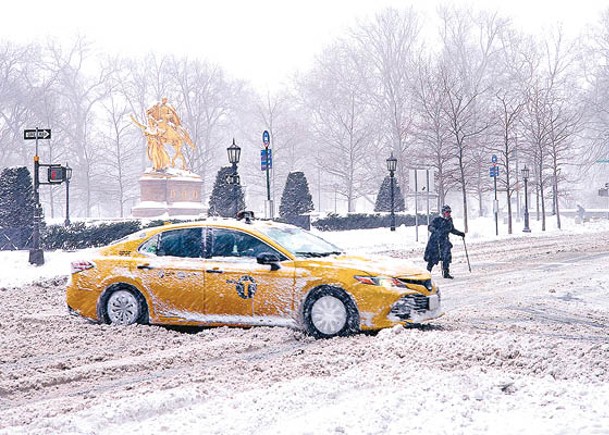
{"x":301,"y":243}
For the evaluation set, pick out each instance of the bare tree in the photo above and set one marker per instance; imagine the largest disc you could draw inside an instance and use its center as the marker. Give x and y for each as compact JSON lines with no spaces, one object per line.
{"x":431,"y":133}
{"x":19,"y":91}
{"x":470,"y":51}
{"x":342,"y":120}
{"x":121,"y":149}
{"x":553,"y":119}
{"x":392,"y":43}
{"x":78,"y":94}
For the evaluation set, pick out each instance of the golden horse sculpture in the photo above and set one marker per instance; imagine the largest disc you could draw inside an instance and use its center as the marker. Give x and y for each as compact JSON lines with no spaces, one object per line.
{"x":164,"y":128}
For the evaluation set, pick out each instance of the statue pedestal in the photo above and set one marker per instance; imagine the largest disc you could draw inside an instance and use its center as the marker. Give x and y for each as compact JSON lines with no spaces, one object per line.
{"x":169,"y":194}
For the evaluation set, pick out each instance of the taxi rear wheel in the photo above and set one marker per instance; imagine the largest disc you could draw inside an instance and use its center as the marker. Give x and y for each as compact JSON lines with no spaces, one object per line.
{"x":330,"y":312}
{"x":125,"y":306}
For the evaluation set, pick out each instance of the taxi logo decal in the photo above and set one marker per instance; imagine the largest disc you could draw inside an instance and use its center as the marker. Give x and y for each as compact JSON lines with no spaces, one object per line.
{"x":246,"y":286}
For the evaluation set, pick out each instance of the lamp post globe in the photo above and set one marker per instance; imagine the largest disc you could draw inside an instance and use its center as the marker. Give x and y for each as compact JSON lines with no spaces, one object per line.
{"x":525,"y":175}
{"x":234,"y":153}
{"x":392,"y":164}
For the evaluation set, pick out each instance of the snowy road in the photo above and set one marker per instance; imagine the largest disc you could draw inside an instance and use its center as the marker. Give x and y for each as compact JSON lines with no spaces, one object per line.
{"x":523,"y":348}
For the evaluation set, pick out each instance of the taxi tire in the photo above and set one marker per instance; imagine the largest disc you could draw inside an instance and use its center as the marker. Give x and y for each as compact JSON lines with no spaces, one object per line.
{"x":142,"y":307}
{"x":351,"y":325}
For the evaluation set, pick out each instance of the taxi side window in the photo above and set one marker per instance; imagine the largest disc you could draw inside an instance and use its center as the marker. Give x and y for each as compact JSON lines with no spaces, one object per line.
{"x":229,"y":243}
{"x":223,"y":243}
{"x":184,"y":243}
{"x":150,"y":246}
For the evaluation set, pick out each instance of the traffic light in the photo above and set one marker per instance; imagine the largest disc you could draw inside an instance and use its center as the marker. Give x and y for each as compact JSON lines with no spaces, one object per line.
{"x":56,"y":174}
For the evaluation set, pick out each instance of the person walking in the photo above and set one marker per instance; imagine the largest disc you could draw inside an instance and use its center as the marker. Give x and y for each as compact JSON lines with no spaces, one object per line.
{"x":438,"y":246}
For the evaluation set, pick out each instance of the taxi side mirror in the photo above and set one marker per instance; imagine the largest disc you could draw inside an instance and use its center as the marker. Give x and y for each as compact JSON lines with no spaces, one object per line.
{"x":268,"y":258}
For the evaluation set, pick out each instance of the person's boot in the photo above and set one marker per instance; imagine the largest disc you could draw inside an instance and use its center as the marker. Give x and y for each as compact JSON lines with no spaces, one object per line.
{"x":446,"y":274}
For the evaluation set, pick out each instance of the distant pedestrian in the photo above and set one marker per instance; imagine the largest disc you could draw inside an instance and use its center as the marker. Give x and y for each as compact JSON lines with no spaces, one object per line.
{"x":581,"y":212}
{"x":439,"y":246}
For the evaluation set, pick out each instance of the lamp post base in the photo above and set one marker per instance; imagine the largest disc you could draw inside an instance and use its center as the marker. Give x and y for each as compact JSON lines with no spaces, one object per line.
{"x":37,"y":257}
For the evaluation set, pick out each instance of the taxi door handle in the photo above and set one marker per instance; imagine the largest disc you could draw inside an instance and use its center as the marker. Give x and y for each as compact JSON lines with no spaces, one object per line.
{"x":214,"y":271}
{"x":145,"y":266}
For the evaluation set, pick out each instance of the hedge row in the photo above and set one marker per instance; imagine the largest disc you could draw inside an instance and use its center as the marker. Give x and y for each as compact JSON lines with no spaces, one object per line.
{"x":80,"y":235}
{"x":359,"y":221}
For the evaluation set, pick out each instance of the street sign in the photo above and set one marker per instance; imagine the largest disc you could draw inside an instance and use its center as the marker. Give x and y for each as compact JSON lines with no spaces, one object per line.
{"x":43,"y":133}
{"x":494,"y":158}
{"x":494,"y":171}
{"x":266,"y":138}
{"x":266,"y":159}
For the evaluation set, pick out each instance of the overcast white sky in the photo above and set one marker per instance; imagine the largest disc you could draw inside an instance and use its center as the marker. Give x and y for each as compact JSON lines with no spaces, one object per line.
{"x":262,"y":41}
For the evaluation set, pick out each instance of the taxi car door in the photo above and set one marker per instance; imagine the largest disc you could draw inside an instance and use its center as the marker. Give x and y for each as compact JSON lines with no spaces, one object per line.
{"x":172,"y":272}
{"x":239,"y":290}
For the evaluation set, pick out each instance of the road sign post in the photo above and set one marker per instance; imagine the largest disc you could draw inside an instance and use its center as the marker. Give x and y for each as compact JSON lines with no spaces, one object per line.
{"x":267,"y":162}
{"x":494,"y":173}
{"x":36,"y":256}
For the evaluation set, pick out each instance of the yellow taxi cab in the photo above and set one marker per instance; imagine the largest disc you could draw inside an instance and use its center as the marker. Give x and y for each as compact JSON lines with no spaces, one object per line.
{"x":245,"y":273}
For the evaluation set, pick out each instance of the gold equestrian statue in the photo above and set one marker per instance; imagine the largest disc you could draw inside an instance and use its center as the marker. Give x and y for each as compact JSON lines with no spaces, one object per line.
{"x":164,"y":128}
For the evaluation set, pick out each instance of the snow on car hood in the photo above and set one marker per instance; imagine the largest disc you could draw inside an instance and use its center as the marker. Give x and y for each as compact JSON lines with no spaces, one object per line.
{"x":374,"y":265}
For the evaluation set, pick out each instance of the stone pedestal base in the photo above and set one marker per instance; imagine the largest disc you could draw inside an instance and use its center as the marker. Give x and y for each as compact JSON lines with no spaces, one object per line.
{"x":169,"y":194}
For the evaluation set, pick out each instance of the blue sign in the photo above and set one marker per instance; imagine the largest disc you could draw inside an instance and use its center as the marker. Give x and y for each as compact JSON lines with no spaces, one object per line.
{"x":266,"y":138}
{"x":266,"y":159}
{"x":494,"y":158}
{"x":494,"y":171}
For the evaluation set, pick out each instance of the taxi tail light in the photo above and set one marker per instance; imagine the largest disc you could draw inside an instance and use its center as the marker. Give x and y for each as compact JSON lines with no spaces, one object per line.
{"x":81,"y":266}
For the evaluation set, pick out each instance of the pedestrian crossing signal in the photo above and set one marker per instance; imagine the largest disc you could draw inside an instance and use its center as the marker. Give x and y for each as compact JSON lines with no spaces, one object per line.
{"x":56,"y":174}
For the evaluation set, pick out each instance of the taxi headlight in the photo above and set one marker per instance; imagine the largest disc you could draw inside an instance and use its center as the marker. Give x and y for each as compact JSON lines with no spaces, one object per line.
{"x":382,"y":281}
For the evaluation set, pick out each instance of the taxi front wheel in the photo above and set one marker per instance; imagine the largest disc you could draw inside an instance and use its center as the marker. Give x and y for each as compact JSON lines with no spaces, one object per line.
{"x":330,"y":312}
{"x":125,"y":307}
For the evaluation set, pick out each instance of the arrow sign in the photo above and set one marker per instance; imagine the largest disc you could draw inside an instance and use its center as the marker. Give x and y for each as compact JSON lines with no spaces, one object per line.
{"x":43,"y":133}
{"x":266,"y":138}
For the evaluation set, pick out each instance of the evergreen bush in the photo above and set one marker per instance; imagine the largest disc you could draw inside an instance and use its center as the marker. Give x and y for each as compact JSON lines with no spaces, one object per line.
{"x":383,"y":199}
{"x":80,"y":235}
{"x":296,"y":198}
{"x":17,"y":208}
{"x":221,"y":201}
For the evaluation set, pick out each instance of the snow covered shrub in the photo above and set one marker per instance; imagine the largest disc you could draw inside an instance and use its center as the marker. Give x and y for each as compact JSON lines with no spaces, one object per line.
{"x":17,"y":209}
{"x":80,"y":235}
{"x":383,"y":199}
{"x":359,"y":221}
{"x":221,"y":201}
{"x":296,"y":198}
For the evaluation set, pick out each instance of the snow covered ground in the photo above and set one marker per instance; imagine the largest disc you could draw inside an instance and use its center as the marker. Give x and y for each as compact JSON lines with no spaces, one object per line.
{"x":523,"y":349}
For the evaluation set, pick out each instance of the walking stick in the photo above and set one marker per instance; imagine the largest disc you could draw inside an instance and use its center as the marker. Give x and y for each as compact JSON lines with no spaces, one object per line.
{"x":441,"y":257}
{"x":467,"y":256}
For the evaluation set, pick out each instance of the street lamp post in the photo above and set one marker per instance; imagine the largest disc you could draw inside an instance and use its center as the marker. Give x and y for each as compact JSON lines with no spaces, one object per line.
{"x":68,"y":177}
{"x":234,"y":154}
{"x":525,"y":176}
{"x":392,"y":163}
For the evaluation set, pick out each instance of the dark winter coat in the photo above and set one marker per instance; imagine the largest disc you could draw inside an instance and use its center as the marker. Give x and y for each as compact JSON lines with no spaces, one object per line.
{"x":438,"y":246}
